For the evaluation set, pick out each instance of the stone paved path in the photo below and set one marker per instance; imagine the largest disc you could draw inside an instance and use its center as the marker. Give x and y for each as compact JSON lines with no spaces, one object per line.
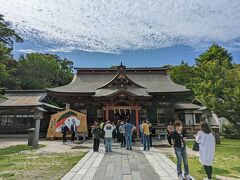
{"x":123,"y":165}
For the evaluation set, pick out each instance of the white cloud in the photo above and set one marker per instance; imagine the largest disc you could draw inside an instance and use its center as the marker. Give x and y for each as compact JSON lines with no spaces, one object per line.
{"x":116,"y":25}
{"x":27,"y":51}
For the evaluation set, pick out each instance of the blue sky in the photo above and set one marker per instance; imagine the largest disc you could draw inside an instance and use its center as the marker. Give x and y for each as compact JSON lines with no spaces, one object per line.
{"x":131,"y":58}
{"x":102,"y":33}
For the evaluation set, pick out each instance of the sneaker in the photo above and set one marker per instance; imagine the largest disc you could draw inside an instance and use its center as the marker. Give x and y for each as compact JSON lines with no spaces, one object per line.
{"x":181,"y":176}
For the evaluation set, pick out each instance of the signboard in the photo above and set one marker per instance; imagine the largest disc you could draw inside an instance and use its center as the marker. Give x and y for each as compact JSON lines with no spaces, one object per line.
{"x":67,"y":117}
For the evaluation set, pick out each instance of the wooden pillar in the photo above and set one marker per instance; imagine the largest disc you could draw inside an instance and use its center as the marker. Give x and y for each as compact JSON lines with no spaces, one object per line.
{"x":107,"y":114}
{"x":137,"y":120}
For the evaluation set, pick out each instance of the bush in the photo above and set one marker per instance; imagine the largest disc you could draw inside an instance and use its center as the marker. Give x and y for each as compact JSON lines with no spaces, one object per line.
{"x":231,"y":131}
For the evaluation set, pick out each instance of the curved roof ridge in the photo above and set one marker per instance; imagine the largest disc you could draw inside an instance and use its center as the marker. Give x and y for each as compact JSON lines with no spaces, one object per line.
{"x":115,"y":78}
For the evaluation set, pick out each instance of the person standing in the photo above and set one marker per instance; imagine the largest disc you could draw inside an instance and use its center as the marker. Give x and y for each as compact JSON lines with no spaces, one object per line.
{"x":64,"y":130}
{"x":122,"y":134}
{"x":114,"y":131}
{"x":179,"y":144}
{"x":118,"y":132}
{"x":128,"y":135}
{"x":108,"y":129}
{"x":73,"y":131}
{"x":150,"y":133}
{"x":206,"y":142}
{"x":96,"y":132}
{"x":146,"y":143}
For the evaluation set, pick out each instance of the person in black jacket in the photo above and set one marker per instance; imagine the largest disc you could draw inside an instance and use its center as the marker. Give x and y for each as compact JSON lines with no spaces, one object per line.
{"x":64,"y":130}
{"x":96,"y":132}
{"x":178,"y":140}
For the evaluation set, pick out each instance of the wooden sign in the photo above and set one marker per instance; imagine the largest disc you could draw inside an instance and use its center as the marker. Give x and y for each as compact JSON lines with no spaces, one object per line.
{"x":67,"y":117}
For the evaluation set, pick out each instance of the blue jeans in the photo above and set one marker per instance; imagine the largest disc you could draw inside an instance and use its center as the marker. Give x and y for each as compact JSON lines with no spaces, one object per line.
{"x":146,"y":142}
{"x":141,"y":135}
{"x":181,"y":155}
{"x":108,"y":145}
{"x":128,"y":141}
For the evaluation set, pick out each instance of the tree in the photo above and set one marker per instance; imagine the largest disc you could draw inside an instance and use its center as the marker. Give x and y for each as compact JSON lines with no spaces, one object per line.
{"x":7,"y":68}
{"x":182,"y":74}
{"x":39,"y":71}
{"x":210,"y":81}
{"x":215,"y":81}
{"x":5,"y":56}
{"x":8,"y":35}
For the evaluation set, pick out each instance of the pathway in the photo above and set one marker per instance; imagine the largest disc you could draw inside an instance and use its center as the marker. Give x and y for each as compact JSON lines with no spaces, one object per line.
{"x":123,"y":165}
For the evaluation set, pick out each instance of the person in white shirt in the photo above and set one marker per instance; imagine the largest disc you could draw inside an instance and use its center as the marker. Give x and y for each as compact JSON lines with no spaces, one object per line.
{"x":108,"y":129}
{"x":206,"y":142}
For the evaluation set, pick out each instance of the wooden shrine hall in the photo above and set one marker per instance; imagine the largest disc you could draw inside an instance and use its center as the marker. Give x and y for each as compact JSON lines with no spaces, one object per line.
{"x":127,"y":93}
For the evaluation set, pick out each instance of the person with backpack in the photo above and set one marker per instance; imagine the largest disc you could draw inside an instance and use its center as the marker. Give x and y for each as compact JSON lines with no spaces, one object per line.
{"x":64,"y":130}
{"x":206,"y":142}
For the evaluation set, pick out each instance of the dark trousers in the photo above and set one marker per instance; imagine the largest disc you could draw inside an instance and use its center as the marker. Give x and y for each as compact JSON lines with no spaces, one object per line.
{"x":208,"y":170}
{"x":118,"y":137}
{"x":123,"y":140}
{"x":181,"y":155}
{"x":73,"y":136}
{"x":150,"y":139}
{"x":96,"y":143}
{"x":64,"y":137}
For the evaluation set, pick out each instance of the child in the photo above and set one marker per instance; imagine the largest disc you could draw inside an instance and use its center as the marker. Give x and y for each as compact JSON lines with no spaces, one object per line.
{"x":179,"y":144}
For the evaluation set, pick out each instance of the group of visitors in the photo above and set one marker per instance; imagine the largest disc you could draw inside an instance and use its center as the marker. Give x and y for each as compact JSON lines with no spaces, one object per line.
{"x":65,"y":129}
{"x":123,"y":132}
{"x":205,"y":142}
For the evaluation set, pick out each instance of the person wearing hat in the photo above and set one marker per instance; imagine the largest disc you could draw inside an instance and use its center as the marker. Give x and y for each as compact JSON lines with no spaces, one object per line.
{"x":108,"y":129}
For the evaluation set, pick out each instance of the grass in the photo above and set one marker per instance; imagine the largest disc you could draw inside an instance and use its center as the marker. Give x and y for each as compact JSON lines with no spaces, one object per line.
{"x":16,"y":165}
{"x":226,"y":163}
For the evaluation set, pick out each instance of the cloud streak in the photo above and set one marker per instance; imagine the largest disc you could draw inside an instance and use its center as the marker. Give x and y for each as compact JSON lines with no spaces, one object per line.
{"x":114,"y":26}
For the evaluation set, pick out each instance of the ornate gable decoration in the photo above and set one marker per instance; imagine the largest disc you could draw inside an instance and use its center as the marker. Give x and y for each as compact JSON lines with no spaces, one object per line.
{"x":121,"y":80}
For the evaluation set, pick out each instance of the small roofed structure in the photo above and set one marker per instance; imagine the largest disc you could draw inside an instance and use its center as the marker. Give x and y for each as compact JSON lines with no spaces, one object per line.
{"x":17,"y":109}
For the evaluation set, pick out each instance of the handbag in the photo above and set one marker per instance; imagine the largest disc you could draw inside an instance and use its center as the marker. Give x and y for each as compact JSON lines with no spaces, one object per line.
{"x":195,"y":146}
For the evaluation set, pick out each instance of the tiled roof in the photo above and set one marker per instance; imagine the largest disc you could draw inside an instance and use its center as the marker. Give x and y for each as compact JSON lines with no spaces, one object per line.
{"x":25,"y":98}
{"x":89,"y":82}
{"x":186,"y":106}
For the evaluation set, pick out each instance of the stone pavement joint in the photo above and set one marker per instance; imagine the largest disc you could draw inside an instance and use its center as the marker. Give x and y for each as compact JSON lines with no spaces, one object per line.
{"x":122,"y":164}
{"x":86,"y":167}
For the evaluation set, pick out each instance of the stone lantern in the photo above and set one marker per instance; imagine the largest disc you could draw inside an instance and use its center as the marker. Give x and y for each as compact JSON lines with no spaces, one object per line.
{"x":38,"y":115}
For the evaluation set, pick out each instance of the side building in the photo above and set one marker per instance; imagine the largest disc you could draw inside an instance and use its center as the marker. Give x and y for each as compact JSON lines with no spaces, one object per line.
{"x":18,"y":109}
